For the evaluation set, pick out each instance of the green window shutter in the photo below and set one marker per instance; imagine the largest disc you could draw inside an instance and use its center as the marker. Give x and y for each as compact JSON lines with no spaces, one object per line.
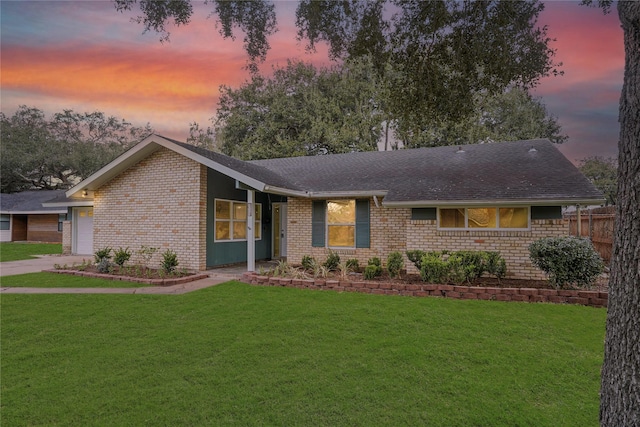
{"x":546,"y":212}
{"x":362,"y":223}
{"x":423,"y":213}
{"x":318,"y":215}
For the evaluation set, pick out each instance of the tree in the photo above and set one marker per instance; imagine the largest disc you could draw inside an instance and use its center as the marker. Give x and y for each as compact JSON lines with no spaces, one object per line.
{"x":301,"y":111}
{"x":256,"y":19}
{"x":508,"y":116}
{"x":436,"y":57}
{"x":603,"y":172}
{"x":620,"y":387}
{"x":56,"y":154}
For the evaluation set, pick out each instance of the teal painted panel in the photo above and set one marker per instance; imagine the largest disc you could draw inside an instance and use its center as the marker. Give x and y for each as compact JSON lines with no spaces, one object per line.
{"x":546,"y":212}
{"x":318,"y":223}
{"x":362,"y":223}
{"x":423,"y":214}
{"x":220,"y":186}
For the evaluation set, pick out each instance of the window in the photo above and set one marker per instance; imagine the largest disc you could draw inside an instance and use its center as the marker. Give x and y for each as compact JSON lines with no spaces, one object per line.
{"x":230,"y":219}
{"x":484,"y":218}
{"x":5,"y":222}
{"x":341,"y":223}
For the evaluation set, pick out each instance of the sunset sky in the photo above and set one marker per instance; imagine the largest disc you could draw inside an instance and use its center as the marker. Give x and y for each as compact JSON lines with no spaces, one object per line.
{"x":85,"y":56}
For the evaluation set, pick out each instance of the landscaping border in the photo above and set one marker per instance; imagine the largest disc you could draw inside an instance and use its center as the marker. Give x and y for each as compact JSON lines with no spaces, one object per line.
{"x":169,"y":281}
{"x":559,"y":296}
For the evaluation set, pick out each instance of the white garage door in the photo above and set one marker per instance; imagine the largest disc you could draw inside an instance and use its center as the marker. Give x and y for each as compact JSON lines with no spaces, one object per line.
{"x":83,"y":220}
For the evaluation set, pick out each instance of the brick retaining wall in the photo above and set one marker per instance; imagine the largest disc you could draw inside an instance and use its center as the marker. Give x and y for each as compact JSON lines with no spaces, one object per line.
{"x":588,"y":298}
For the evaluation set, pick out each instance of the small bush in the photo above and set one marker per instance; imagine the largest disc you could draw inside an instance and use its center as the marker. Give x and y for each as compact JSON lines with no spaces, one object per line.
{"x":169,"y":261}
{"x":569,"y":261}
{"x":496,"y":265}
{"x":373,"y":268}
{"x":101,"y":254}
{"x":416,"y":257}
{"x":433,"y":269}
{"x":104,"y":266}
{"x":332,"y":261}
{"x":146,"y":253}
{"x":371,"y":272}
{"x":308,"y":262}
{"x":283,"y":269}
{"x":395,"y":263}
{"x":353,"y":264}
{"x":121,"y":256}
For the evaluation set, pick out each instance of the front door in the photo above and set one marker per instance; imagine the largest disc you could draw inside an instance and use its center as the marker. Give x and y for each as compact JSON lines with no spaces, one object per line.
{"x":279,"y":230}
{"x":83,"y":231}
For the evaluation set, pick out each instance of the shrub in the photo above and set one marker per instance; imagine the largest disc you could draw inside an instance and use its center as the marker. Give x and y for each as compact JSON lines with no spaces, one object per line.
{"x":308,"y":262}
{"x":169,"y":261}
{"x":416,"y":257}
{"x":433,"y":269}
{"x":101,"y":254}
{"x":353,"y":264}
{"x":103,"y":266}
{"x":371,"y":272}
{"x":332,"y":261}
{"x":373,"y":268}
{"x":568,"y":261}
{"x":121,"y":256}
{"x":283,"y":269}
{"x":395,"y":263}
{"x":496,"y":265}
{"x":473,"y":263}
{"x":146,"y":253}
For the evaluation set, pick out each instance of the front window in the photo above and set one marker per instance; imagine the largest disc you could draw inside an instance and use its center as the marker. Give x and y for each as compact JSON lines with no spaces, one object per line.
{"x":484,"y":218}
{"x":5,"y":222}
{"x":341,"y":223}
{"x":231,"y":220}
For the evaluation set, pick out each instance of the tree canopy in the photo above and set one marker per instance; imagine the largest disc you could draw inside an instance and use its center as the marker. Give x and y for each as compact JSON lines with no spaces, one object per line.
{"x":436,"y":56}
{"x":300,"y":111}
{"x":603,"y":172}
{"x":38,"y":153}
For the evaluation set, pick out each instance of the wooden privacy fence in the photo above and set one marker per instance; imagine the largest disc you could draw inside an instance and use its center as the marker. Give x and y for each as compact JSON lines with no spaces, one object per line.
{"x":597,"y":225}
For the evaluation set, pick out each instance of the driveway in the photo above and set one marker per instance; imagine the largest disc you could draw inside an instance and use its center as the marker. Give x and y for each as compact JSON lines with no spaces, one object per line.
{"x":35,"y":265}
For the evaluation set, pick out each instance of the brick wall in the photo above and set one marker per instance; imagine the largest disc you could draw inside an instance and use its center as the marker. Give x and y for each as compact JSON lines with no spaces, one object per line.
{"x":512,"y":245}
{"x":388,"y":233}
{"x":159,"y":202}
{"x":393,"y":230}
{"x":66,"y":237}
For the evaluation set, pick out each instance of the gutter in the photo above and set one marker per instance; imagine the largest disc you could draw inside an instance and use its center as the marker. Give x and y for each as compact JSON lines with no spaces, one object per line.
{"x":483,"y":203}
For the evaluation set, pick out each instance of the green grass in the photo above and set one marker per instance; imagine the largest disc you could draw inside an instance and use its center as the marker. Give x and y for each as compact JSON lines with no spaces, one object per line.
{"x":56,"y":280}
{"x":13,"y":251}
{"x":240,"y":355}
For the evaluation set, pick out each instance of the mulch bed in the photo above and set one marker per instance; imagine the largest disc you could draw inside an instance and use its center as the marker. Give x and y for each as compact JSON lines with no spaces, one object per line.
{"x":139,"y":274}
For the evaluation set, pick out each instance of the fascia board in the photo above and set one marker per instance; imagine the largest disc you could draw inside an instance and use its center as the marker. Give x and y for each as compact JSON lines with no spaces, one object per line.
{"x":74,"y":204}
{"x":463,"y":203}
{"x":132,"y":156}
{"x":52,"y":212}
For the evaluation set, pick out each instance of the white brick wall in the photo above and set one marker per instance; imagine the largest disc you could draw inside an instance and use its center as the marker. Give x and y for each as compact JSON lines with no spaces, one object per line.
{"x":393,"y":230}
{"x":159,"y":202}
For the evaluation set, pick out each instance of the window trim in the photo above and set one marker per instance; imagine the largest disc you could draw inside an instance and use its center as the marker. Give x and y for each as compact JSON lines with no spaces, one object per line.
{"x":353,"y":224}
{"x":257,"y":223}
{"x":497,"y":228}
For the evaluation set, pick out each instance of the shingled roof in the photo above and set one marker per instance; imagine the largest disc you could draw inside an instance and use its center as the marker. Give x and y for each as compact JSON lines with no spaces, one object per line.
{"x":531,"y":171}
{"x":522,"y":172}
{"x":30,"y":202}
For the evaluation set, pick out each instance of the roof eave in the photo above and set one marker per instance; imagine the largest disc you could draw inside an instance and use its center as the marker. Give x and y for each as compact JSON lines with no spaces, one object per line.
{"x":519,"y":202}
{"x":144,"y":149}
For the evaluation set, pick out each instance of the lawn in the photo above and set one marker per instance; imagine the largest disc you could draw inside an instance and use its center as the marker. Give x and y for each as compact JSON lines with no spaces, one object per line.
{"x":55,"y":280}
{"x":14,"y":251}
{"x":242,"y":355}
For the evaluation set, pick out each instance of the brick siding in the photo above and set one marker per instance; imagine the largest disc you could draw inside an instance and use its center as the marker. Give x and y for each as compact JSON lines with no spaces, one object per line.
{"x":66,"y":237}
{"x":393,"y":230}
{"x":159,"y":202}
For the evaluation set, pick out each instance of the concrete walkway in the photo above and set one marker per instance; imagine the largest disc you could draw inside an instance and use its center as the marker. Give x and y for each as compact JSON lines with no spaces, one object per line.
{"x":36,"y":265}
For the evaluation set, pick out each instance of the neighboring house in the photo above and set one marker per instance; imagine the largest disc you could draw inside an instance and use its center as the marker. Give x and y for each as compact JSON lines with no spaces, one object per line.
{"x":23,"y":218}
{"x":206,"y":206}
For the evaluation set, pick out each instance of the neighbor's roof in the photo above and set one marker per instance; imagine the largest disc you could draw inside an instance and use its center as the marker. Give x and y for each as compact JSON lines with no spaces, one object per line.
{"x":30,"y":202}
{"x":520,"y":172}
